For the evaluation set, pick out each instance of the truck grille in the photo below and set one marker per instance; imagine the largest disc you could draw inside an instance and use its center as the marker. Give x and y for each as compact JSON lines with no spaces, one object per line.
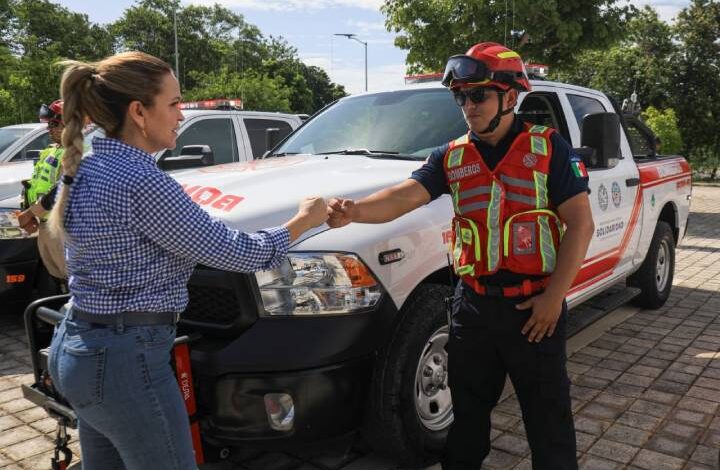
{"x":212,"y":305}
{"x":220,"y":301}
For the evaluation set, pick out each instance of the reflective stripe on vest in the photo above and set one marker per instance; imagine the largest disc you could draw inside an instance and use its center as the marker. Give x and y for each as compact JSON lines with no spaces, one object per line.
{"x":538,"y":129}
{"x":454,"y":188}
{"x":547,"y":249}
{"x":475,"y":206}
{"x":538,"y":145}
{"x":462,"y":140}
{"x":493,"y":225}
{"x":474,"y":192}
{"x":530,"y":201}
{"x":517,"y":182}
{"x":541,"y":190}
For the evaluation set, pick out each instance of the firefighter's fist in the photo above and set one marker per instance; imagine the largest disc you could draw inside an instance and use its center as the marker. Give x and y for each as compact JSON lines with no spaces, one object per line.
{"x":313,"y":210}
{"x":340,"y":212}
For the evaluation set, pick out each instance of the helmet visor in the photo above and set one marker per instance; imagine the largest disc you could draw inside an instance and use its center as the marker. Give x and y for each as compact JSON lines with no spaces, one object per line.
{"x":465,"y":69}
{"x":46,"y":114}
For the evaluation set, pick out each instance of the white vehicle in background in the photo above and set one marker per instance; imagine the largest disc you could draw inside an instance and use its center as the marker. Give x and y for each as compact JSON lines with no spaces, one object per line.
{"x":20,"y":146}
{"x":213,"y":132}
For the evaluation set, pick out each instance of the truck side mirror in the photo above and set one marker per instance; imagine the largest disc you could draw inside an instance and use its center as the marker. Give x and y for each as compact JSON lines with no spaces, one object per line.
{"x":271,"y":137}
{"x":601,"y":132}
{"x":190,"y":156}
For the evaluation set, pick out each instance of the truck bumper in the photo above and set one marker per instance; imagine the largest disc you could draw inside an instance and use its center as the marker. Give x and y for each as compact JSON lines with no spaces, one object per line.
{"x":18,"y":267}
{"x":289,"y":381}
{"x":286,"y":409}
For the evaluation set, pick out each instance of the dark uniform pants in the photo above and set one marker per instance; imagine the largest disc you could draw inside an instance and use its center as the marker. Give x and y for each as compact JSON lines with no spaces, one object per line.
{"x":486,"y":343}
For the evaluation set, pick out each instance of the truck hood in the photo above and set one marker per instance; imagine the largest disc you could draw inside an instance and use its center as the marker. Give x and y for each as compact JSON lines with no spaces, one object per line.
{"x":265,"y":193}
{"x":11,"y":174}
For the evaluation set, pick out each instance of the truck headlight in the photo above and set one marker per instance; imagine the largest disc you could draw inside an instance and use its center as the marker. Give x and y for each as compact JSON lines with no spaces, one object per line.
{"x":9,"y":226}
{"x":318,"y":284}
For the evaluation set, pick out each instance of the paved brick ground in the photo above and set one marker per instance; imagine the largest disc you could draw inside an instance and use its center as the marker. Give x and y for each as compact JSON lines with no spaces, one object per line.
{"x":645,"y":394}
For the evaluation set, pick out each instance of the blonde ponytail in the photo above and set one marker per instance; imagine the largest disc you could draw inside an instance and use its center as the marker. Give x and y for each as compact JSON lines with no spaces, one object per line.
{"x":100,"y":92}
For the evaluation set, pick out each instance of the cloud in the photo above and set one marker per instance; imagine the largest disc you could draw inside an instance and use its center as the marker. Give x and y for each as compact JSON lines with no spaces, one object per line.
{"x":366,"y":26}
{"x":667,"y":9}
{"x":286,"y":5}
{"x":379,"y":78}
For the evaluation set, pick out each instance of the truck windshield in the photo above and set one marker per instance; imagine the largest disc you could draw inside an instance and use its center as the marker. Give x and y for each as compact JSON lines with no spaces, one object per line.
{"x":394,"y":124}
{"x":8,"y":135}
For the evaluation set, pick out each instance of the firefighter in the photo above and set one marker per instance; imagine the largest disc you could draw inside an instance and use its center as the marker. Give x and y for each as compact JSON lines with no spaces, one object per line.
{"x":521,"y":230}
{"x":38,"y":191}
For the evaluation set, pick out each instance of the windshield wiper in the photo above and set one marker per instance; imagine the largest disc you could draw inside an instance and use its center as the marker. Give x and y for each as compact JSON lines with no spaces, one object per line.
{"x":281,"y":154}
{"x":371,"y":153}
{"x":359,"y":152}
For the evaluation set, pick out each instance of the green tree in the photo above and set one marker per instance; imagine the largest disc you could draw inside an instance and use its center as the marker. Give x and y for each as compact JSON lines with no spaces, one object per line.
{"x":432,"y":31}
{"x":37,"y":34}
{"x":258,"y":92}
{"x":205,"y":34}
{"x":641,"y":63}
{"x":323,"y":90}
{"x":665,"y":126}
{"x":696,"y":80}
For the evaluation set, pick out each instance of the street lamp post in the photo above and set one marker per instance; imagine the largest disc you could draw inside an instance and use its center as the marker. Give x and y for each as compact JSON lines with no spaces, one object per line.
{"x":177,"y":56}
{"x":354,"y":38}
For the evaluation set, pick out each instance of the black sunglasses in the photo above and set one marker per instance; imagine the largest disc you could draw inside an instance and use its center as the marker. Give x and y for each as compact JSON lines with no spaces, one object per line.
{"x":476,"y":94}
{"x":53,"y":124}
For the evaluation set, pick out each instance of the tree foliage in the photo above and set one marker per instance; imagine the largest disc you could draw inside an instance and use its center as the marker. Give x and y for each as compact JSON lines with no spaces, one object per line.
{"x":664,"y":124}
{"x":215,"y":44}
{"x":675,"y":68}
{"x":637,"y":64}
{"x":433,"y":30}
{"x":696,"y":70}
{"x":258,"y":92}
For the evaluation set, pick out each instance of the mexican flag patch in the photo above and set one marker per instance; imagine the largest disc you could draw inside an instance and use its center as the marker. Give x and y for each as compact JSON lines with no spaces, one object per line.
{"x":578,"y":168}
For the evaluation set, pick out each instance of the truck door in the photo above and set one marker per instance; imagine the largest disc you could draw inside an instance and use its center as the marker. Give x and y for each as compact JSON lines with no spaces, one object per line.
{"x":613,"y":198}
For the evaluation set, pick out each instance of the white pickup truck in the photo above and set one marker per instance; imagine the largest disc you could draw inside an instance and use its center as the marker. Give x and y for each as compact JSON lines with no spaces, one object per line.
{"x":348,"y":334}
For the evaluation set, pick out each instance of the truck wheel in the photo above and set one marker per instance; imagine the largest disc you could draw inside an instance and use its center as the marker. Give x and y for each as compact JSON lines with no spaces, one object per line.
{"x":410,"y":409}
{"x":655,"y":276}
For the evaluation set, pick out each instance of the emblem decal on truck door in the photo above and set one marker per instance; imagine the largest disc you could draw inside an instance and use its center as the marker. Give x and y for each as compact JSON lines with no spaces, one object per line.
{"x":603,"y":197}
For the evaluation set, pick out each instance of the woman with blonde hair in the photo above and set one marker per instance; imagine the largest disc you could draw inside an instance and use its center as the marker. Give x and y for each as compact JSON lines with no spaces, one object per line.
{"x":132,"y":237}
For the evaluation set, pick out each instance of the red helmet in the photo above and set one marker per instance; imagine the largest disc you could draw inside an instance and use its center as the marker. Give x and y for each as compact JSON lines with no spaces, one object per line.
{"x":52,"y":113}
{"x":487,"y":64}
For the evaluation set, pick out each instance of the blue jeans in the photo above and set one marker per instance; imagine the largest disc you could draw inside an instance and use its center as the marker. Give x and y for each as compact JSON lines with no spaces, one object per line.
{"x":120,"y":383}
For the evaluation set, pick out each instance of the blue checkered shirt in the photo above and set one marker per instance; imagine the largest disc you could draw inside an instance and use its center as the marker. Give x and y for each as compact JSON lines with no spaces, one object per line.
{"x":134,"y":236}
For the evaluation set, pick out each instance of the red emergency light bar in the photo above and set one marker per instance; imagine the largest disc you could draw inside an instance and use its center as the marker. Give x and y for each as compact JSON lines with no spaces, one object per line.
{"x":221,"y":103}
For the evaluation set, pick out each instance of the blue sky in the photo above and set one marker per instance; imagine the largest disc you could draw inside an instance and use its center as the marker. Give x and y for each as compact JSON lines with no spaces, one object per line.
{"x":310,"y":25}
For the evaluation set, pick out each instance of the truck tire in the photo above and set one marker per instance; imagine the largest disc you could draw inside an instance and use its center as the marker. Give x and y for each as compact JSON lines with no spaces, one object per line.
{"x":410,"y":409}
{"x":655,"y":276}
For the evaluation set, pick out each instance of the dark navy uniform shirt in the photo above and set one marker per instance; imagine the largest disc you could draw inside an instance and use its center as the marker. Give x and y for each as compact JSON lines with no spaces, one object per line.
{"x":562,"y":182}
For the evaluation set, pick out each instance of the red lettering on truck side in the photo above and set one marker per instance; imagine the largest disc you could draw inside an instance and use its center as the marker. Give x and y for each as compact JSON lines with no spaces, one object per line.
{"x":206,"y":195}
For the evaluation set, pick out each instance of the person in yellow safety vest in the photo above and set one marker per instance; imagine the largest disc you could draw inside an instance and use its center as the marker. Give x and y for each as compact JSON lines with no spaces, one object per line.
{"x":521,"y":230}
{"x":41,"y":186}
